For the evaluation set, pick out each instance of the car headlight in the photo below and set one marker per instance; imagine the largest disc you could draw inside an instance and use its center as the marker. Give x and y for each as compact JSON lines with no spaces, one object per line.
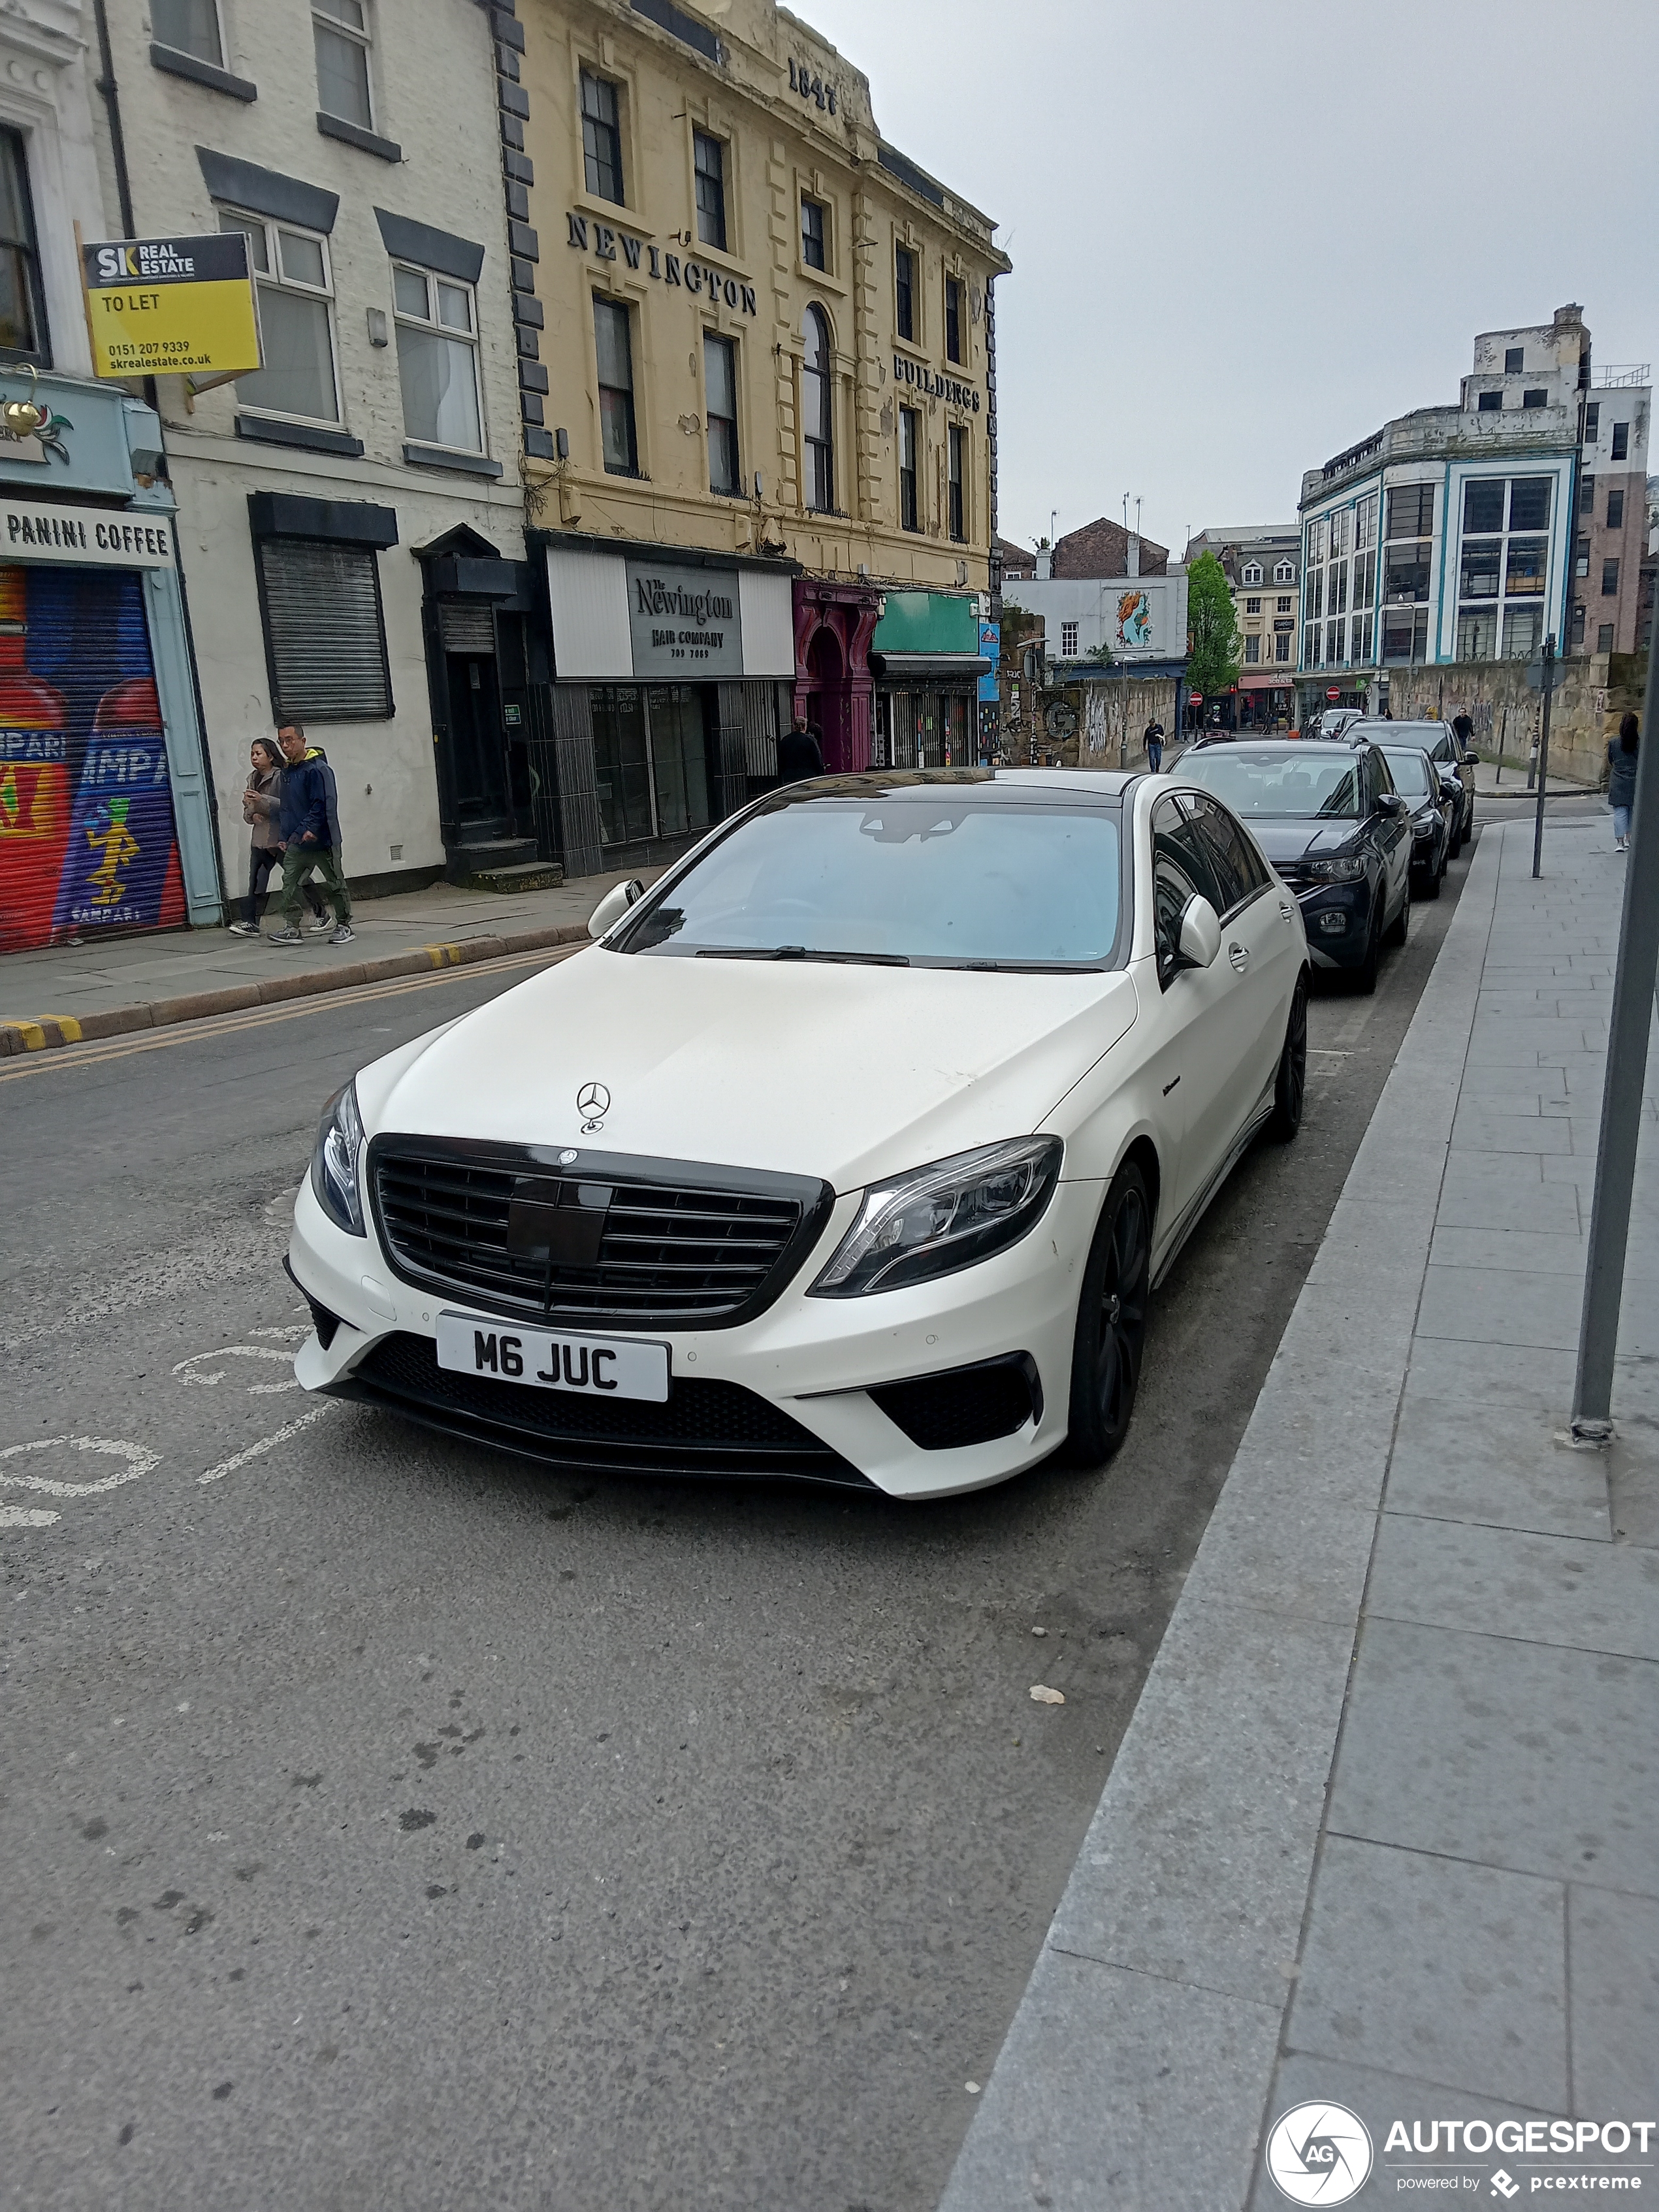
{"x":1334,"y":871}
{"x":334,"y":1161}
{"x":944,"y":1217}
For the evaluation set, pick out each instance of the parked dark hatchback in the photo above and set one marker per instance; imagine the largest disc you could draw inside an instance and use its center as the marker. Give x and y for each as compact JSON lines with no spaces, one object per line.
{"x":1435,"y":807}
{"x":1330,"y":820}
{"x":1439,"y":741}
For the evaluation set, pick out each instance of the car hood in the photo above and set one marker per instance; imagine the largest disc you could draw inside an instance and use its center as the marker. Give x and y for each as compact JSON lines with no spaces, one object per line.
{"x":844,"y":1072}
{"x":1285,"y":838}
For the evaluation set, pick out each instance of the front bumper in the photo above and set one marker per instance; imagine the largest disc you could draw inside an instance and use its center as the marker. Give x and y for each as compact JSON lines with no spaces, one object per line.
{"x":1337,"y":920}
{"x":814,"y":1362}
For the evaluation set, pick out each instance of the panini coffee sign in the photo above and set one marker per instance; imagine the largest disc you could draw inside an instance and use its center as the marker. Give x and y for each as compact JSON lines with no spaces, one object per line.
{"x":685,"y":624}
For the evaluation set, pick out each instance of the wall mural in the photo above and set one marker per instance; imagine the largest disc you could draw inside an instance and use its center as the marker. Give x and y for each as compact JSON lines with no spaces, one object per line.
{"x":87,"y":842}
{"x":1135,"y":618}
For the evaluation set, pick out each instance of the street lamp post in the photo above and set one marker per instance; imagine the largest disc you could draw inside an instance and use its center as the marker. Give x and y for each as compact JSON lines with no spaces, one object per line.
{"x":1621,"y":1092}
{"x":1544,"y":750}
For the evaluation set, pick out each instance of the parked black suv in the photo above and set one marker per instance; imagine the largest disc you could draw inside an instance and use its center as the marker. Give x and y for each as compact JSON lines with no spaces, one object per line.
{"x":1439,"y":741}
{"x":1436,"y":808}
{"x":1330,"y":820}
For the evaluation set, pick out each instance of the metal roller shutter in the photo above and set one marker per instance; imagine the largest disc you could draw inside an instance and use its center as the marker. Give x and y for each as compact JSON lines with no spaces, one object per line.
{"x":466,"y":626}
{"x":87,"y":842}
{"x":324,"y":630}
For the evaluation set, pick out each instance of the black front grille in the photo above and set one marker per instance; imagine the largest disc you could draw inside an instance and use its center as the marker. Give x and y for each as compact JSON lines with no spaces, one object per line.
{"x":965,"y":1405}
{"x":681,"y":1246}
{"x":704,"y":1428}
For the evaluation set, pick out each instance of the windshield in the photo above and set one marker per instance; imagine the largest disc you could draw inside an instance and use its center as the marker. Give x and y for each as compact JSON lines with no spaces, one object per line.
{"x":1294,"y":782}
{"x":1428,"y":735}
{"x":1410,"y":772}
{"x":925,"y":878}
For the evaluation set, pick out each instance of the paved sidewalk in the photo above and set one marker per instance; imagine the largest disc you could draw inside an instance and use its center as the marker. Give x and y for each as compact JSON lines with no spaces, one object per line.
{"x":1384,"y":1829}
{"x":65,"y":992}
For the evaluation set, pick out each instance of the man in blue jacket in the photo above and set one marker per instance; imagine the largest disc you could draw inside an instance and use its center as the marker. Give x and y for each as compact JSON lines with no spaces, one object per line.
{"x":308,"y":821}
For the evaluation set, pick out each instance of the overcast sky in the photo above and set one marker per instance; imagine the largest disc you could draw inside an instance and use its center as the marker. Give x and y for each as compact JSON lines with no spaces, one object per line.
{"x":1245,"y":233}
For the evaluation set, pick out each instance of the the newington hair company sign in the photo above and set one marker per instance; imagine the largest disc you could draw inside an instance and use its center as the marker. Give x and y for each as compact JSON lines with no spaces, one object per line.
{"x":685,"y":624}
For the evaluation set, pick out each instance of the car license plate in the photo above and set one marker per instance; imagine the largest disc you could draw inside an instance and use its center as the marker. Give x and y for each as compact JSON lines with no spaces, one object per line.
{"x":591,"y":1366}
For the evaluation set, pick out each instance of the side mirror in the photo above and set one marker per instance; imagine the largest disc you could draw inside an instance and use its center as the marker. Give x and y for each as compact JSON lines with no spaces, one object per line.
{"x":1470,"y":760}
{"x":1390,"y":802}
{"x":1200,"y":934}
{"x":614,"y":905}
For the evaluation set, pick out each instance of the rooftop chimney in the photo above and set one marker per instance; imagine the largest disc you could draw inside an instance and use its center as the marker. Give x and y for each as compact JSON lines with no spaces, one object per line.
{"x":1132,"y":558}
{"x":1045,"y":568}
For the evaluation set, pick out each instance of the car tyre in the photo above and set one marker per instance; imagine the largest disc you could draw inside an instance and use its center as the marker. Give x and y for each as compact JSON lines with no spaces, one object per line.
{"x":1111,"y":1321}
{"x":1365,"y":974}
{"x":1399,"y":927}
{"x":1290,"y":1085}
{"x":1437,"y":876}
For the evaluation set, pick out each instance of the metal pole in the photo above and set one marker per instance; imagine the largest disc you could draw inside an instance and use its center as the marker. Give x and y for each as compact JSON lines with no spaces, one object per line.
{"x":1621,"y":1094}
{"x":1544,"y":752}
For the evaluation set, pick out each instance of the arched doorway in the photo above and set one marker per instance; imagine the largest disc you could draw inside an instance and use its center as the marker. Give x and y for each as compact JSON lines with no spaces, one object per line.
{"x":826,"y":698}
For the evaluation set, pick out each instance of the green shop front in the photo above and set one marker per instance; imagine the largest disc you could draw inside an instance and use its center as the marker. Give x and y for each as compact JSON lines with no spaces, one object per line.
{"x":927,"y":657}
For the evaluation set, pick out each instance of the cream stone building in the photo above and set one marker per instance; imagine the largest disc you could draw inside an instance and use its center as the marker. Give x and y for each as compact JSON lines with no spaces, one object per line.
{"x":759,"y":385}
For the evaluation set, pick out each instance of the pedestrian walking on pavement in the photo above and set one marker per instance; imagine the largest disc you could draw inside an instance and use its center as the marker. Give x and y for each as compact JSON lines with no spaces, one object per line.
{"x":1621,"y":779}
{"x":799,"y":753}
{"x":308,"y":820}
{"x":260,"y":802}
{"x":1152,"y":739}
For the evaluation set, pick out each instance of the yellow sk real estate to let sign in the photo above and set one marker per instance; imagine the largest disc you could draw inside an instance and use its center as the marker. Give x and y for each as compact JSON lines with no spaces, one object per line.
{"x":171,"y":306}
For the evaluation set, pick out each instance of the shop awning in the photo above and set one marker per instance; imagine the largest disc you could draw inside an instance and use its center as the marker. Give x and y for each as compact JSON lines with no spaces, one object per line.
{"x":930,"y":667}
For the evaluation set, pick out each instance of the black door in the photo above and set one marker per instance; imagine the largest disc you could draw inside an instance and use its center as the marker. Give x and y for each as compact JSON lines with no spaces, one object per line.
{"x":477,"y":750}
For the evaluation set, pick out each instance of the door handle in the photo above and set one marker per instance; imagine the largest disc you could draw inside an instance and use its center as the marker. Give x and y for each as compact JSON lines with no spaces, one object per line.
{"x":1240,"y":956}
{"x":1287,"y":911}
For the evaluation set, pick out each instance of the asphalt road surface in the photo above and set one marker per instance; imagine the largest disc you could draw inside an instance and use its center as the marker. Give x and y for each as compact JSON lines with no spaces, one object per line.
{"x":389,"y":1824}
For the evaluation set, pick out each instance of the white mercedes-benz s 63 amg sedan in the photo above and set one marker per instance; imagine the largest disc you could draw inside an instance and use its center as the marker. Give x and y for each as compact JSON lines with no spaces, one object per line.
{"x":850,"y":1152}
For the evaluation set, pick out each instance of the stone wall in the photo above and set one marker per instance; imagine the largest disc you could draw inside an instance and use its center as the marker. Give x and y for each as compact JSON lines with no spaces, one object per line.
{"x":1590,"y":696}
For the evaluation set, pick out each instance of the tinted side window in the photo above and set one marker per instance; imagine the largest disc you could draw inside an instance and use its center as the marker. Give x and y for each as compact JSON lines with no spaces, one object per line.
{"x":1231,"y":861}
{"x":1180,"y":871}
{"x":1382,"y":772}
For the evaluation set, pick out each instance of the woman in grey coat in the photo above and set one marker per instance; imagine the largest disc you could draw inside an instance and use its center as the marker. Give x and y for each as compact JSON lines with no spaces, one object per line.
{"x":260,"y":801}
{"x":1621,"y":781}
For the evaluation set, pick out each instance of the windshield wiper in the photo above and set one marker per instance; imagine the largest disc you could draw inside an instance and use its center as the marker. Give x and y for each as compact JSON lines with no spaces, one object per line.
{"x":800,"y":952}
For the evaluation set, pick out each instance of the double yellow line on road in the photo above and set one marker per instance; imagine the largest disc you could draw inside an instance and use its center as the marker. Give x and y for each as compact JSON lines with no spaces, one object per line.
{"x":95,"y":1055}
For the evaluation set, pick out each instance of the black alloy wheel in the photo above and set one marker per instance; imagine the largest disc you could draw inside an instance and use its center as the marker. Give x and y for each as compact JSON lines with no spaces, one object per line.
{"x":1435,"y":878}
{"x":1290,"y":1085}
{"x":1364,"y":981}
{"x":1111,"y":1321}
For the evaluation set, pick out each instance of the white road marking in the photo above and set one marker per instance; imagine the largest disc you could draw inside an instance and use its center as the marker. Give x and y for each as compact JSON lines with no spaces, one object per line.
{"x":139,"y":1461}
{"x":26,"y":1516}
{"x":187,"y":1371}
{"x":268,"y":1443}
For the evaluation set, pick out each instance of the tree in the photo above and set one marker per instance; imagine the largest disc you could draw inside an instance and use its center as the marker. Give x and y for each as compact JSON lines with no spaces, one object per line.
{"x":1213,"y":638}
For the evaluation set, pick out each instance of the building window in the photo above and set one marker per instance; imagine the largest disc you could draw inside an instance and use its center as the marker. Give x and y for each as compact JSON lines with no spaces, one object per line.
{"x":1252,"y":649}
{"x":1284,"y":573}
{"x":1476,"y":633}
{"x":1529,"y":502}
{"x":601,"y":138}
{"x":708,"y":158}
{"x":1621,"y":441}
{"x":1615,"y":510}
{"x":189,"y":26}
{"x":1251,"y":573}
{"x":812,"y":234}
{"x":614,"y":349}
{"x":22,"y":308}
{"x":1580,"y":554}
{"x":817,"y":412}
{"x":1578,"y":622}
{"x":1610,"y":579}
{"x":910,"y":437}
{"x":340,"y":32}
{"x":437,"y":358}
{"x":1587,"y":495}
{"x":1490,"y":403}
{"x":291,"y":273}
{"x":957,"y":443}
{"x":1364,"y":633}
{"x":1482,"y":566}
{"x":1253,"y":606}
{"x":1364,"y":521}
{"x":1067,"y":640}
{"x":1604,"y":637}
{"x":1411,"y":511}
{"x":1592,"y":421}
{"x":720,"y":376}
{"x":953,"y":318}
{"x":1282,"y":647}
{"x":325,"y":638}
{"x":1514,"y":360}
{"x":1523,"y":632}
{"x":1282,"y":606}
{"x":1405,"y":572}
{"x":1534,"y":399}
{"x":904,"y":291}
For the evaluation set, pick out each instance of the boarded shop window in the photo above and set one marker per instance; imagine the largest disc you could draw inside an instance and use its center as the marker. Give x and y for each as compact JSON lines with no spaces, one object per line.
{"x":325,"y":638}
{"x":22,"y":311}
